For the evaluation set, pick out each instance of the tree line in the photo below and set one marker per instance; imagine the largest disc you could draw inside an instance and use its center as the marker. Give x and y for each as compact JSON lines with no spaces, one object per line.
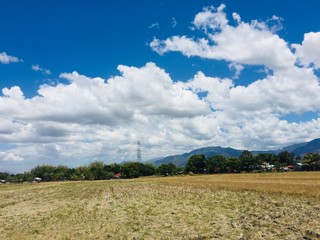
{"x":94,"y":171}
{"x":248,"y":162}
{"x":197,"y":164}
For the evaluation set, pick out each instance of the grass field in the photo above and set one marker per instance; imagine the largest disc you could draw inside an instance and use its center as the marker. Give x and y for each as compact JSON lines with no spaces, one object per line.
{"x":240,"y":206}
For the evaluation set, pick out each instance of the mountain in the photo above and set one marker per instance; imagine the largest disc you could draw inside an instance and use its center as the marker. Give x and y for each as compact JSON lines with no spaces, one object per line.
{"x":304,"y":148}
{"x":181,"y":160}
{"x":299,"y":149}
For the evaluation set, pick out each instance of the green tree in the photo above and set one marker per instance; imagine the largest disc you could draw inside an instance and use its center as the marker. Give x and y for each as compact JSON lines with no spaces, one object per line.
{"x":113,"y":167}
{"x":217,"y":164}
{"x":44,"y":171}
{"x":312,"y":160}
{"x":247,"y":160}
{"x":130,"y":170}
{"x":147,"y":169}
{"x":265,"y":157}
{"x":97,"y":169}
{"x":4,"y":176}
{"x":196,"y":164}
{"x":233,"y":165}
{"x":60,"y":173}
{"x":166,"y":169}
{"x":82,"y":173}
{"x":285,"y":158}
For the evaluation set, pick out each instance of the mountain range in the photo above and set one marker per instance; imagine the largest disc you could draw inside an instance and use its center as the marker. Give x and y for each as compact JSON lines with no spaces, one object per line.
{"x":299,"y":149}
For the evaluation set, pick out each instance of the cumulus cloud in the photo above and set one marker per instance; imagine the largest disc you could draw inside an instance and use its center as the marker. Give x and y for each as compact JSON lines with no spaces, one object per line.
{"x":211,"y":18}
{"x":37,"y":68}
{"x":77,"y":110}
{"x":308,"y":52}
{"x":94,"y":118}
{"x":253,"y":43}
{"x":6,"y":59}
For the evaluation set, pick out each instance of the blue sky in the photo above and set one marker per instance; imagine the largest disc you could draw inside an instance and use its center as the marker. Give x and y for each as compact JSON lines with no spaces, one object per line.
{"x":183,"y":75}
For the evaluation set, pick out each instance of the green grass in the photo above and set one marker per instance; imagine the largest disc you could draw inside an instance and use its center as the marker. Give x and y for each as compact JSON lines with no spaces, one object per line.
{"x":245,"y":206}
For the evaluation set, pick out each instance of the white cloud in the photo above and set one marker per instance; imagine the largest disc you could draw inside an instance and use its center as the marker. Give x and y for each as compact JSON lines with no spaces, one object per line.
{"x":6,"y":59}
{"x":8,"y":156}
{"x":252,"y":43}
{"x":275,"y":24}
{"x":236,"y":17}
{"x":211,"y":18}
{"x":37,"y":68}
{"x":308,"y":52}
{"x":237,"y":68}
{"x":93,"y":118}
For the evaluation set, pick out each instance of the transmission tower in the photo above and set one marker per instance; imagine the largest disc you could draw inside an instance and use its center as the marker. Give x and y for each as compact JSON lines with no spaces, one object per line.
{"x":138,"y":151}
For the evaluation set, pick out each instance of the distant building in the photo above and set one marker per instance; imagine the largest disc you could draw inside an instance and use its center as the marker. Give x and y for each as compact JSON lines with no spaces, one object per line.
{"x":117,"y":175}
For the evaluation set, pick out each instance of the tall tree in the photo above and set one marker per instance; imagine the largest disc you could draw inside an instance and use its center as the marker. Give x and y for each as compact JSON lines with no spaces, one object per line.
{"x":286,"y":158}
{"x":196,"y":164}
{"x":166,"y":169}
{"x":312,"y":160}
{"x":233,"y":165}
{"x":247,"y":159}
{"x":97,"y":170}
{"x":217,"y":164}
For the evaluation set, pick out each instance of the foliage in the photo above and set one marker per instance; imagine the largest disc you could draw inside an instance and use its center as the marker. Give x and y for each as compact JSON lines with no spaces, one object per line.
{"x":147,"y":169}
{"x":248,"y":162}
{"x":196,"y":164}
{"x":233,"y":165}
{"x":167,"y":169}
{"x":266,"y":158}
{"x":312,"y":160}
{"x":130,"y":170}
{"x":137,"y":169}
{"x":216,"y":164}
{"x":113,"y":167}
{"x":97,"y":170}
{"x":285,"y":158}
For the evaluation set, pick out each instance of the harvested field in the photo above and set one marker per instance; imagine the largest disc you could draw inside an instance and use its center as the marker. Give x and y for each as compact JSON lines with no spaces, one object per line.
{"x":241,"y":206}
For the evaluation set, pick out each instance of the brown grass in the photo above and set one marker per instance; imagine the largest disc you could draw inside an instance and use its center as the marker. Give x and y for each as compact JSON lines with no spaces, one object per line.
{"x":304,"y":184}
{"x":243,"y":206}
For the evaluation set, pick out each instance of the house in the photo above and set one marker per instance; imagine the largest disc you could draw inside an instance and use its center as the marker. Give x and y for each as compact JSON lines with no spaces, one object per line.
{"x":117,"y":175}
{"x":266,"y":166}
{"x":288,"y":168}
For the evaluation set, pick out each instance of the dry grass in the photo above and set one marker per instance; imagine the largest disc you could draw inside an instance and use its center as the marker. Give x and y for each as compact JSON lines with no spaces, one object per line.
{"x":246,"y":206}
{"x":305,"y":184}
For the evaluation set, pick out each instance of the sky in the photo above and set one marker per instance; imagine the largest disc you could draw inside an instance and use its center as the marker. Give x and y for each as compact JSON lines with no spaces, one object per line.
{"x":83,"y":81}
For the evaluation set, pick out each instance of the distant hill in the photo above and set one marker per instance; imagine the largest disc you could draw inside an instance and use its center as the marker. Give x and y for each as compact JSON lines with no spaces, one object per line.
{"x":181,"y":160}
{"x":304,"y":148}
{"x":299,"y":149}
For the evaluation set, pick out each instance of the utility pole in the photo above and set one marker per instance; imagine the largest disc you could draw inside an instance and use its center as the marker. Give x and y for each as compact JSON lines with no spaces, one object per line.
{"x":138,"y":151}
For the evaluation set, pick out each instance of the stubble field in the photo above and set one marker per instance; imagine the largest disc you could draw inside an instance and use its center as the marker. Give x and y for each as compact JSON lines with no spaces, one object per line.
{"x":240,"y":206}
